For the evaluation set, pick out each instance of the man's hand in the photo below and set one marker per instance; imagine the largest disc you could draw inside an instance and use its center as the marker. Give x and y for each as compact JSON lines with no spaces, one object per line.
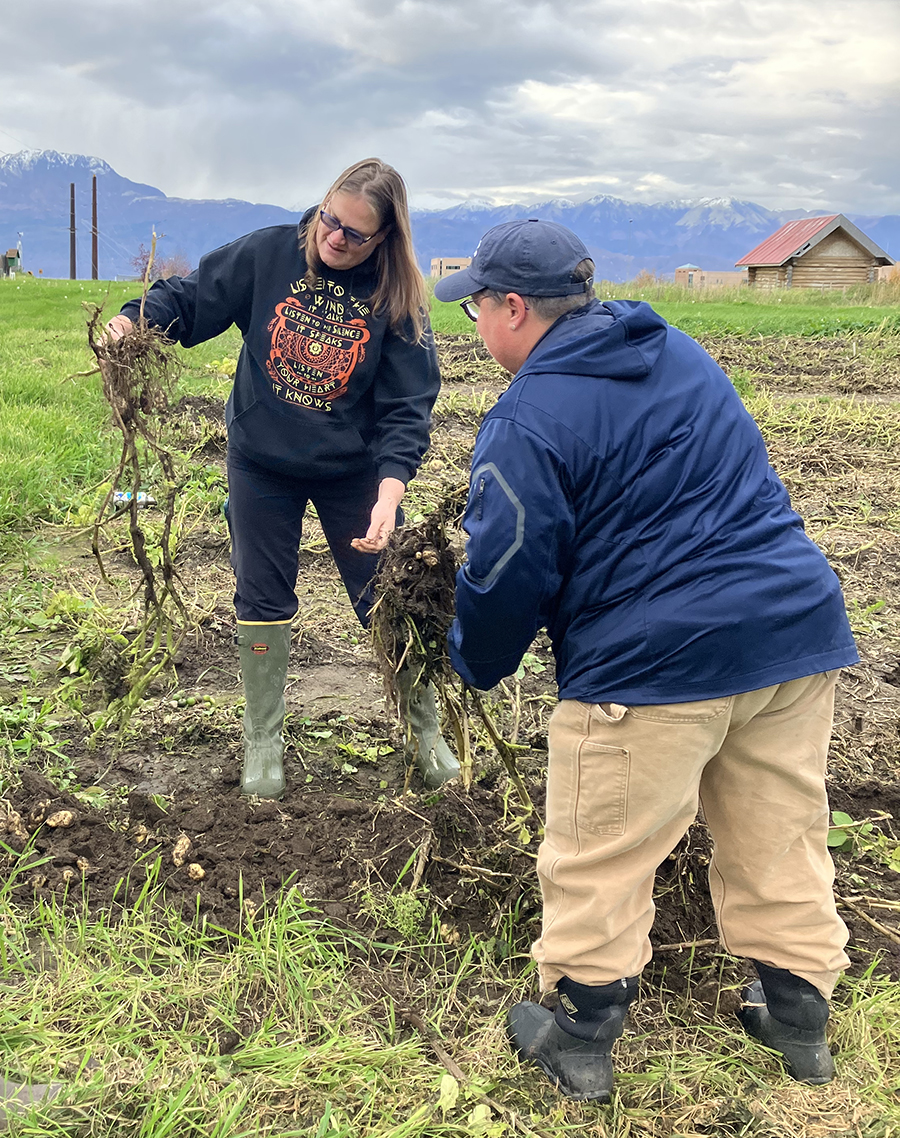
{"x":118,"y":327}
{"x":384,"y":517}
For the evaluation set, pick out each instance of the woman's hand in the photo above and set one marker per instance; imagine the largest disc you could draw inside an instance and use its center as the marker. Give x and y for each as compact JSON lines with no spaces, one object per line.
{"x":384,"y":517}
{"x":118,"y":327}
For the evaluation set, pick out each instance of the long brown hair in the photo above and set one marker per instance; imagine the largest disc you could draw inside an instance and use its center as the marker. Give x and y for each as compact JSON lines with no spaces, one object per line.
{"x":400,"y":290}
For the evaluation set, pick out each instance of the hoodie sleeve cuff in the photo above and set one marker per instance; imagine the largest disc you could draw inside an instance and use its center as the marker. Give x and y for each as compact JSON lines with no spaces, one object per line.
{"x":131,"y":309}
{"x":394,"y":470}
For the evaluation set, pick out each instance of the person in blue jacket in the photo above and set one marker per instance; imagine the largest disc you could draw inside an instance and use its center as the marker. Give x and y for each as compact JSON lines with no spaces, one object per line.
{"x":621,"y":497}
{"x":331,"y":404}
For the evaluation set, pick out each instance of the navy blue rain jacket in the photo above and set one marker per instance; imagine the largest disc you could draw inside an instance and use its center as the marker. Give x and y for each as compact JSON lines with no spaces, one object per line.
{"x":622,"y":497}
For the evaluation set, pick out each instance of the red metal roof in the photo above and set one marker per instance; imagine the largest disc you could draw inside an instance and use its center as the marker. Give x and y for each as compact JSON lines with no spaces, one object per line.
{"x":776,"y":249}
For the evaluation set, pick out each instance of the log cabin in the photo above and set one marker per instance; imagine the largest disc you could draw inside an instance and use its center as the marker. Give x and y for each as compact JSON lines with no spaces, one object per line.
{"x":816,"y":252}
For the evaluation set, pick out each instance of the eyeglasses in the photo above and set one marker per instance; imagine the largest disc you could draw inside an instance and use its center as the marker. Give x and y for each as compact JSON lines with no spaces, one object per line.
{"x":353,"y":236}
{"x":471,"y":308}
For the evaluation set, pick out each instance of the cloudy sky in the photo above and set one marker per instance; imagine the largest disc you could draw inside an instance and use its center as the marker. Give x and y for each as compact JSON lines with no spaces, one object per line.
{"x":789,"y":103}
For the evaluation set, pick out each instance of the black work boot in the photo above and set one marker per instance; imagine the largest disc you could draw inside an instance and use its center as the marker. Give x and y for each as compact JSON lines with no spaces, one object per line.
{"x":788,"y":1014}
{"x":573,"y":1045}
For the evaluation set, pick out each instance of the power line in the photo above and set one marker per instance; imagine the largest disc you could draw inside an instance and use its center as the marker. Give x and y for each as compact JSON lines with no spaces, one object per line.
{"x":24,"y":145}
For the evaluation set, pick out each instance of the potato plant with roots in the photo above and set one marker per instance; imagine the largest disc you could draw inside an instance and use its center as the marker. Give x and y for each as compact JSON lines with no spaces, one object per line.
{"x":138,"y":372}
{"x":413,"y":611}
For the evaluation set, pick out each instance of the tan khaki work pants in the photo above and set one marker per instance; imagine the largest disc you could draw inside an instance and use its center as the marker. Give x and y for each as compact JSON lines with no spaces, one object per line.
{"x":623,"y":786}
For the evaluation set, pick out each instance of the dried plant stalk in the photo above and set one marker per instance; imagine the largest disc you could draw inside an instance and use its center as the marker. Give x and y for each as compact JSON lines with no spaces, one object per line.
{"x":138,"y":373}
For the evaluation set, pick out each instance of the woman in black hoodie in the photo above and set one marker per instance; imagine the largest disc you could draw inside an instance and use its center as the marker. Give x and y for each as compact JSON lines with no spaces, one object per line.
{"x":331,"y":404}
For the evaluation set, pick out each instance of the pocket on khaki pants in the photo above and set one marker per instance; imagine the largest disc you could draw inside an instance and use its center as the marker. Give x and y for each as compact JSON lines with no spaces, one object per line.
{"x":601,"y":804}
{"x":587,"y":780}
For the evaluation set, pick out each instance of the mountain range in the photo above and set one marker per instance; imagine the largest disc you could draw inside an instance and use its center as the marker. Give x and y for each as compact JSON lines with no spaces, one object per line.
{"x":623,"y":237}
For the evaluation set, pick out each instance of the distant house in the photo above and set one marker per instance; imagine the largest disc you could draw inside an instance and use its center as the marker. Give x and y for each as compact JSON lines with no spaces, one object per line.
{"x":9,"y":262}
{"x":692,"y":276}
{"x":817,"y":252}
{"x":444,"y":266}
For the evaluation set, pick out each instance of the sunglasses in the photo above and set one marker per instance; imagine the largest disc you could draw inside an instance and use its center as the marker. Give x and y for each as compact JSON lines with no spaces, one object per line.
{"x":352,"y":236}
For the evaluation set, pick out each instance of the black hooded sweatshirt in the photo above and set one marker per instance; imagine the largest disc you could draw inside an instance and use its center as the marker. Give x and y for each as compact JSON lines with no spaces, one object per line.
{"x":324,"y":388}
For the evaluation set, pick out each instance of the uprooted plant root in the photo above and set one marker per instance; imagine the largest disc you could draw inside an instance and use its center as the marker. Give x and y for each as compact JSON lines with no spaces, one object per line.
{"x":413,"y":611}
{"x":138,"y":370}
{"x":414,"y":606}
{"x":414,"y":590}
{"x":138,"y":373}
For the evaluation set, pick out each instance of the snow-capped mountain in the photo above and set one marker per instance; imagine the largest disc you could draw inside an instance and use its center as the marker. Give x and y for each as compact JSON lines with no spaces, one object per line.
{"x":34,"y":201}
{"x":623,"y":236}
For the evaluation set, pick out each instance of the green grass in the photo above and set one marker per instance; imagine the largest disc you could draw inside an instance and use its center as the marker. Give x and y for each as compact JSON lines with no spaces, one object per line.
{"x":739,"y":312}
{"x":294,"y":1027}
{"x":55,"y":444}
{"x":744,"y":319}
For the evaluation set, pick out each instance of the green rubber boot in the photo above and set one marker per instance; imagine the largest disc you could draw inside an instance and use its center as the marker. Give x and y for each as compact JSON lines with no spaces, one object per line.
{"x":264,"y":651}
{"x":418,"y":706}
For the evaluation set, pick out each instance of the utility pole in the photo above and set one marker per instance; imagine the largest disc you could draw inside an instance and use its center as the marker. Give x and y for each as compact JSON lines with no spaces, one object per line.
{"x":94,"y":228}
{"x":19,"y":247}
{"x":71,"y":231}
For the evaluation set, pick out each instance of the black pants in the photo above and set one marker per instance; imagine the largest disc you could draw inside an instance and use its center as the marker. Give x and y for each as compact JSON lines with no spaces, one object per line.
{"x":265,"y":516}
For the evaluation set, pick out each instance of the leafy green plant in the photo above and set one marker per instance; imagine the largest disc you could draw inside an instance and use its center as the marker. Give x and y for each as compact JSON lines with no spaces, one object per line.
{"x":844,"y":834}
{"x":863,"y":618}
{"x":864,"y":837}
{"x":67,"y":605}
{"x":405,"y":912}
{"x":20,"y":606}
{"x":530,"y":663}
{"x":203,"y":492}
{"x":362,"y":746}
{"x":225,"y":366}
{"x":29,"y":724}
{"x":742,"y":380}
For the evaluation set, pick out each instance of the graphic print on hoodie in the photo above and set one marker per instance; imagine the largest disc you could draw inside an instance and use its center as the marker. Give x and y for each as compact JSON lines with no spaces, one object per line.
{"x":308,"y":348}
{"x":318,"y":339}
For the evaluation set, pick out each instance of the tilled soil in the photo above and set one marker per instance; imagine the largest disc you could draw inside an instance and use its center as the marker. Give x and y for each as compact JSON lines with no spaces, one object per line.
{"x":866,"y":364}
{"x":162,"y":812}
{"x":219,"y":857}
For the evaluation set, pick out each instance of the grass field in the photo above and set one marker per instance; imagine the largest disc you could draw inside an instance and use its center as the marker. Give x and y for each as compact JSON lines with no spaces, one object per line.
{"x":53,"y":446}
{"x":741,"y":312}
{"x":376,"y":1009}
{"x":53,"y":449}
{"x":736,"y":319}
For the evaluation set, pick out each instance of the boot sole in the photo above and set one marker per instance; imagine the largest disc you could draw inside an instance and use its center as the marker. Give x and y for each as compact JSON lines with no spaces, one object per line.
{"x":269,"y":791}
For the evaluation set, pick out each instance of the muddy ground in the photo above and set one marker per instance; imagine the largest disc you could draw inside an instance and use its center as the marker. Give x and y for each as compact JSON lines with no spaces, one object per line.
{"x":105,"y":819}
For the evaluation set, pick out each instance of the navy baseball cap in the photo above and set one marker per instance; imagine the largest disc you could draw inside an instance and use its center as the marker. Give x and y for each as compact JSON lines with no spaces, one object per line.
{"x":532,"y":258}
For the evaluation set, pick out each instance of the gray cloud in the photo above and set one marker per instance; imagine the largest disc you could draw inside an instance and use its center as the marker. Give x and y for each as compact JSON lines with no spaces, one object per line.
{"x":788,"y":105}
